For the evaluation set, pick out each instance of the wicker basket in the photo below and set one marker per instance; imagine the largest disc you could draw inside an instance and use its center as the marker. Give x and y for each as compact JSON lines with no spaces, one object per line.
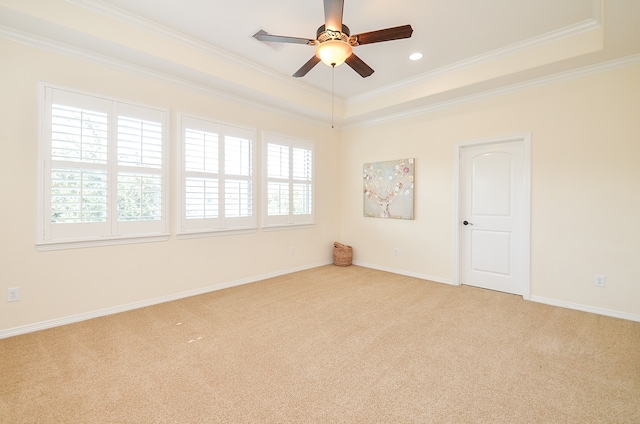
{"x":342,"y":254}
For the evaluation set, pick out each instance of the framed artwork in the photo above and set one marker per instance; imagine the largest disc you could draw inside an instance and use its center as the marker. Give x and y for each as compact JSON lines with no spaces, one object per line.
{"x":388,"y":189}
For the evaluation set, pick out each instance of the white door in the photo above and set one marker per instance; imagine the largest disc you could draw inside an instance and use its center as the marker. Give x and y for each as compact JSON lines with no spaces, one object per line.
{"x":494,"y":216}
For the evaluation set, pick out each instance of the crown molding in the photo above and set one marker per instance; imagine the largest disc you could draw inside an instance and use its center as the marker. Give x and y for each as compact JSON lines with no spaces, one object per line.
{"x":165,"y":32}
{"x":253,"y":99}
{"x":531,"y":43}
{"x":260,"y":102}
{"x":57,"y":47}
{"x":113,"y":12}
{"x":611,"y":65}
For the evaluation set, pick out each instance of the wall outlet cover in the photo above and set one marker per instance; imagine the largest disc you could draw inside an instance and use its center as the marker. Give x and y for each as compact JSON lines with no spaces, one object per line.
{"x":13,"y":294}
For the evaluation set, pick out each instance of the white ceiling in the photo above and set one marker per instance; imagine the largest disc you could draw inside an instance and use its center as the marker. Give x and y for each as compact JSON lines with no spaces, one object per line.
{"x":445,"y":32}
{"x":520,"y":39}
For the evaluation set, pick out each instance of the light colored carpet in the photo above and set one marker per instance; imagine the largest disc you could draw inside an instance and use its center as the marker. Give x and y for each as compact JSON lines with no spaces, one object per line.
{"x":329,"y":345}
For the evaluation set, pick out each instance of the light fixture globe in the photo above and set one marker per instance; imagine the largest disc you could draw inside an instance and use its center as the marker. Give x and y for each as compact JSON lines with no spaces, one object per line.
{"x":333,"y":52}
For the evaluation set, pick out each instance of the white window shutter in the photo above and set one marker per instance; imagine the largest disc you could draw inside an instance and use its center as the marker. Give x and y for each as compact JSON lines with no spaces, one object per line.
{"x":289,"y":181}
{"x":100,"y":167}
{"x":216,"y":177}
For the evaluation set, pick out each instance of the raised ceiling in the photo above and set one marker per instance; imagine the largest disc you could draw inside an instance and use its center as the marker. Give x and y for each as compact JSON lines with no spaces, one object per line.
{"x":445,"y":32}
{"x":468,"y":46}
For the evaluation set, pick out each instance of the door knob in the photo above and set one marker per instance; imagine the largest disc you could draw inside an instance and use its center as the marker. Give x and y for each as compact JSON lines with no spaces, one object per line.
{"x":466,"y":223}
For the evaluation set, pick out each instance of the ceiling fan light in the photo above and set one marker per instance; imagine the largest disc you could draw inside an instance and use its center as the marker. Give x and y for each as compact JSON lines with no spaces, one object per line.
{"x":333,"y":52}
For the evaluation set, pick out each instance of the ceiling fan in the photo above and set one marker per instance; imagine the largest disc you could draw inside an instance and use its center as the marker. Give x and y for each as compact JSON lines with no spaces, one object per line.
{"x":334,"y":41}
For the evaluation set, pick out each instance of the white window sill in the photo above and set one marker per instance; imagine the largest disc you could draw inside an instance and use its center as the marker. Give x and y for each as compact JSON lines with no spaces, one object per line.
{"x":80,"y":244}
{"x":285,"y":227}
{"x":215,"y":233}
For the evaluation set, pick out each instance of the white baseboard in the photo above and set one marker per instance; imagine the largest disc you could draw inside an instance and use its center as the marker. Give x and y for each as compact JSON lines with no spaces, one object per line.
{"x":585,"y":308}
{"x":406,"y":273}
{"x":16,"y":331}
{"x":539,"y":299}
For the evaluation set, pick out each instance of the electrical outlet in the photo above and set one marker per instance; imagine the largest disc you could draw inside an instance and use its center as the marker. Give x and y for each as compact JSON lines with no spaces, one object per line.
{"x":13,"y":294}
{"x":598,"y":280}
{"x":292,"y":251}
{"x":396,"y":251}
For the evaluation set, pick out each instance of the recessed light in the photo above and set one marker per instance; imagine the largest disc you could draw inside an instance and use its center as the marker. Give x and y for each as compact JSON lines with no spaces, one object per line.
{"x":416,"y":56}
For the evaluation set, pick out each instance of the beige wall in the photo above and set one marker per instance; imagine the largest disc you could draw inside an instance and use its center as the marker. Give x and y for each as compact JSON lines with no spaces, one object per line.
{"x":59,"y":284}
{"x":585,"y":201}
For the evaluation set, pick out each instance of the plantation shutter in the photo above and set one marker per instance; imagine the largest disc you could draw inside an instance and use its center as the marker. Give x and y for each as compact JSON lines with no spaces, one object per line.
{"x":289,"y":181}
{"x":217,"y":177}
{"x":140,"y":177}
{"x":201,"y":163}
{"x":76,"y":200}
{"x":302,"y":172}
{"x":238,"y":160}
{"x":278,"y":189}
{"x":103,"y":174}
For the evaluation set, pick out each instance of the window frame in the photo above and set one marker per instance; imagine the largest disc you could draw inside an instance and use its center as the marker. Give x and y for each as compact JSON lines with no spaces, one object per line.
{"x":290,"y":220}
{"x":221,"y":224}
{"x":112,"y":231}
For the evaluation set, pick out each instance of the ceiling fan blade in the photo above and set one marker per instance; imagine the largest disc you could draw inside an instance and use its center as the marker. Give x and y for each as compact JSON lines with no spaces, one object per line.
{"x":307,"y":67}
{"x":359,"y":66}
{"x":380,"y":35}
{"x":333,"y":14}
{"x":266,"y":37}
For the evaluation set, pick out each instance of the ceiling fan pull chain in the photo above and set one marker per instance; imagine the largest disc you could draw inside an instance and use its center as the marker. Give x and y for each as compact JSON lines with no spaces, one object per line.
{"x":333,"y":83}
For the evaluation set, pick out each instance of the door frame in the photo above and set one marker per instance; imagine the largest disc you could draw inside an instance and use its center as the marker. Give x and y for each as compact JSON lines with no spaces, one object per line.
{"x":525,"y":139}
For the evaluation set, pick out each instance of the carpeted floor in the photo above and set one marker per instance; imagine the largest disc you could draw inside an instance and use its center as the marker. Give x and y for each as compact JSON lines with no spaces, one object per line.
{"x":329,"y":345}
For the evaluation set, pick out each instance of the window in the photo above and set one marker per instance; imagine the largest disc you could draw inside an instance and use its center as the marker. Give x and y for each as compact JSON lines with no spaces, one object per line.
{"x":217,"y":180}
{"x":103,"y":178}
{"x":288,"y":181}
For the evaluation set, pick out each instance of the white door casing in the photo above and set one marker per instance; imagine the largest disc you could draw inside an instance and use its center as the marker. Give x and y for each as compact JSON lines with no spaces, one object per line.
{"x":493,"y":198}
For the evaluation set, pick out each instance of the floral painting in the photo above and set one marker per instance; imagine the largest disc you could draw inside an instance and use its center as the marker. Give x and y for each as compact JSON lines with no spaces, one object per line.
{"x":388,"y":189}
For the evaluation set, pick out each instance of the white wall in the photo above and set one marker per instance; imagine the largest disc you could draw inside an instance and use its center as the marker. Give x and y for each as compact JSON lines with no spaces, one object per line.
{"x":585,"y":188}
{"x":59,"y":284}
